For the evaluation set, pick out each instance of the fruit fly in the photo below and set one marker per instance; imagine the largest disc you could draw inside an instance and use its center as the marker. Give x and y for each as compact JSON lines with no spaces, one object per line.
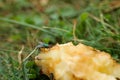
{"x":42,"y":45}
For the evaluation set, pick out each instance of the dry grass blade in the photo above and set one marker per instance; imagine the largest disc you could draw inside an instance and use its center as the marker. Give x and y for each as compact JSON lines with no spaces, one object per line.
{"x":20,"y":56}
{"x":74,"y":29}
{"x":103,"y":22}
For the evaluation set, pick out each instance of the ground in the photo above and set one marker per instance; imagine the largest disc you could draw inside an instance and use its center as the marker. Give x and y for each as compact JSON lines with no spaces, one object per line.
{"x":25,"y":23}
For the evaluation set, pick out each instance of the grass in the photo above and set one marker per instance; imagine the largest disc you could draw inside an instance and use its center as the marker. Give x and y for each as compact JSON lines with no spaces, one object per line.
{"x":24,"y":26}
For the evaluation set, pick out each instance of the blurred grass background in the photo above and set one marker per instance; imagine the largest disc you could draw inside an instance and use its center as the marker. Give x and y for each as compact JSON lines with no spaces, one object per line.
{"x":24,"y":23}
